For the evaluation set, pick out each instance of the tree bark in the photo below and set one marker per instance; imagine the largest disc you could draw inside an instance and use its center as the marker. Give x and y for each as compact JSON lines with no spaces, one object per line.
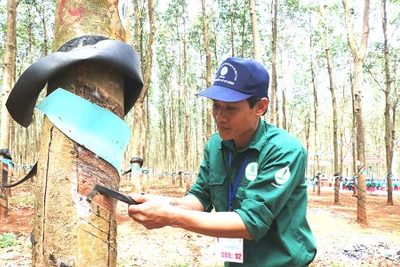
{"x":136,"y":179}
{"x":325,"y":41}
{"x":254,"y":30}
{"x":307,"y":126}
{"x":128,"y":34}
{"x":172,"y":130}
{"x":395,"y":105}
{"x":139,"y":109}
{"x":284,"y":110}
{"x":359,"y":56}
{"x":273,"y":87}
{"x":360,"y":139}
{"x":3,"y":191}
{"x":315,"y":95}
{"x":231,"y":9}
{"x":208,"y":67}
{"x":41,"y":11}
{"x":8,"y":71}
{"x":8,"y":81}
{"x":137,"y":26}
{"x":388,"y":123}
{"x":186,"y":148}
{"x":67,"y":229}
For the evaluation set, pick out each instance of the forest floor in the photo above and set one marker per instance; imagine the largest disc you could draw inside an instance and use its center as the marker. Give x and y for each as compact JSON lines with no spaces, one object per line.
{"x":340,"y":240}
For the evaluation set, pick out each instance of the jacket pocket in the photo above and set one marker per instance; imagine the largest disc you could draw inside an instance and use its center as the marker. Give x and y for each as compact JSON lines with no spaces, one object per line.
{"x":219,"y":190}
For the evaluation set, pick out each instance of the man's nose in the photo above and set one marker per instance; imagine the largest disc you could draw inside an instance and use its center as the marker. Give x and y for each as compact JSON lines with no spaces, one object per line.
{"x":220,"y":115}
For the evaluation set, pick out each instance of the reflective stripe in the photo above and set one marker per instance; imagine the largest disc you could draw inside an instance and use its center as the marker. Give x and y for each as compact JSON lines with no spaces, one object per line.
{"x":88,"y":124}
{"x":133,"y":166}
{"x":8,"y":162}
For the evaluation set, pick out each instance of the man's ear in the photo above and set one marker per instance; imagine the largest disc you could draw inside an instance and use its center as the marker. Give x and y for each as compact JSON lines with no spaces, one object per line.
{"x":262,"y":106}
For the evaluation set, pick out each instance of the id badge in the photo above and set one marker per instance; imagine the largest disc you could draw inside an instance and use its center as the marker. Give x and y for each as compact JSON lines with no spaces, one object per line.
{"x":231,"y":249}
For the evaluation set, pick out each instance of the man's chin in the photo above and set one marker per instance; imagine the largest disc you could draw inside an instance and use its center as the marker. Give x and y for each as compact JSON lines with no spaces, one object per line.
{"x":225,"y":137}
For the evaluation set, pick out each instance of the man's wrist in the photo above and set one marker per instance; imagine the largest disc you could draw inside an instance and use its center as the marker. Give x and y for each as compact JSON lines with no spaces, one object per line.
{"x":173,"y":201}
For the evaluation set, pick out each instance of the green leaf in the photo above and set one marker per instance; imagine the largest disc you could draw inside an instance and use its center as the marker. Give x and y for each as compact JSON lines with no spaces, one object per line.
{"x":8,"y":240}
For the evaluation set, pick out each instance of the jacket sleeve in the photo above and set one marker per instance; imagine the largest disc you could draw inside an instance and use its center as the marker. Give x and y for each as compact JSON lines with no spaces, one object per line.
{"x":281,"y":172}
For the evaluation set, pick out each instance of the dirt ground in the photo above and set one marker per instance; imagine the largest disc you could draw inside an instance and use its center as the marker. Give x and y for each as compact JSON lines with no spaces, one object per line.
{"x":340,"y":240}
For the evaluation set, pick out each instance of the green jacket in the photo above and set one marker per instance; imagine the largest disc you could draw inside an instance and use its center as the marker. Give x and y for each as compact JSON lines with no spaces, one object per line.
{"x":271,"y":196}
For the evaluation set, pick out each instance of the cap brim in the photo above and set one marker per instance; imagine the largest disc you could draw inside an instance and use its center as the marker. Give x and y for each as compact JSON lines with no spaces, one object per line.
{"x":224,"y":94}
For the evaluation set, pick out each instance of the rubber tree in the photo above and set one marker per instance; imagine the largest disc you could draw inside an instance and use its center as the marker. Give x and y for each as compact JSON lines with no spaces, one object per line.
{"x":68,"y":230}
{"x":6,"y":167}
{"x":324,"y":33}
{"x":359,"y":53}
{"x":389,"y":129}
{"x":208,"y":66}
{"x":273,"y":96}
{"x":8,"y":74}
{"x":254,"y":30}
{"x":140,"y":128}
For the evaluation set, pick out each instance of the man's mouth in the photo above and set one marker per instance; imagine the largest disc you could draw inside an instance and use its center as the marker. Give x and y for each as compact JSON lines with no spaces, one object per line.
{"x":222,"y":128}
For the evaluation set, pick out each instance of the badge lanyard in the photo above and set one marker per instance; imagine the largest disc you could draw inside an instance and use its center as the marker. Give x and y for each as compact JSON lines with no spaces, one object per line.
{"x":232,"y":191}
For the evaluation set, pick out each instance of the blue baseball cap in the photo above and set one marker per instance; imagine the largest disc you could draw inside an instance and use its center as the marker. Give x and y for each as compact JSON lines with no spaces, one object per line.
{"x":238,"y":79}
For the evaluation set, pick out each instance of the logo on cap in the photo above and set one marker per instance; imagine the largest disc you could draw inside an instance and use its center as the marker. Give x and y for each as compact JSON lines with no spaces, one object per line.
{"x":224,"y":71}
{"x":226,"y":76}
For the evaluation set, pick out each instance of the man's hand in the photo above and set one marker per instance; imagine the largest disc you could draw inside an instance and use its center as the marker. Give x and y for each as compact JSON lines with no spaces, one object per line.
{"x":141,"y":198}
{"x":153,"y":212}
{"x":186,"y":213}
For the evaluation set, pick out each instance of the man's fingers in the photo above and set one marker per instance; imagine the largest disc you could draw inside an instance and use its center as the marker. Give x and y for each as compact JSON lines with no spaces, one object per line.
{"x":138,"y":197}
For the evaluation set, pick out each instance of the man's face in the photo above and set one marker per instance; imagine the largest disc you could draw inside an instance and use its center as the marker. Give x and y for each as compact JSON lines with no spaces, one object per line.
{"x":236,"y":121}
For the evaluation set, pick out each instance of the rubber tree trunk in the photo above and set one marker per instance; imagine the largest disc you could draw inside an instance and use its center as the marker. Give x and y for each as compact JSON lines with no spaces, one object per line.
{"x":136,"y":179}
{"x":3,"y":190}
{"x":389,"y":129}
{"x":208,"y":121}
{"x":8,"y":74}
{"x":68,"y":230}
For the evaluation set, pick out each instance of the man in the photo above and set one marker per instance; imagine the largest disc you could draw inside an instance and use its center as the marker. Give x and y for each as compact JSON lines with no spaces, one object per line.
{"x":252,"y":175}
